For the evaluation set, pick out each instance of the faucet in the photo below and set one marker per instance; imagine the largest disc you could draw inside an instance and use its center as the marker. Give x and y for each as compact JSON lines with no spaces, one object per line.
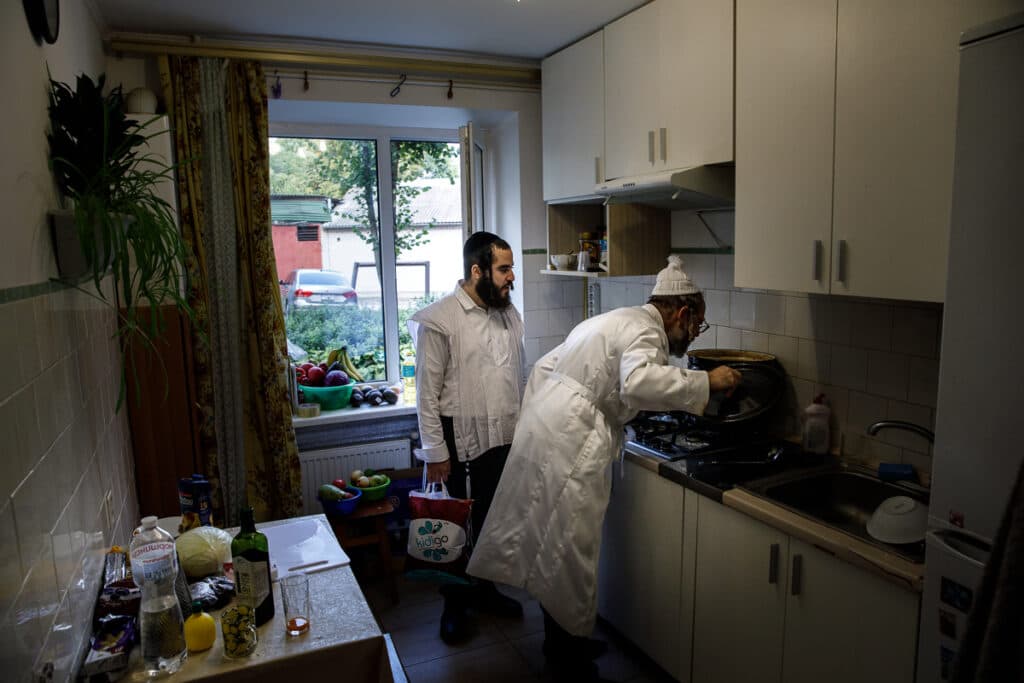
{"x":900,"y":424}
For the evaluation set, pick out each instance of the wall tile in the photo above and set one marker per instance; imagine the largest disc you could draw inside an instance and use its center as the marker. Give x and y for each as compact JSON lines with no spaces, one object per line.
{"x":560,"y":321}
{"x":908,"y":412}
{"x":729,"y":338}
{"x":923,"y":381}
{"x":47,"y":342}
{"x":637,"y":294}
{"x":573,"y":293}
{"x":754,"y":341}
{"x":741,"y":310}
{"x":922,"y":464}
{"x":531,"y":297}
{"x":28,"y":427}
{"x":770,"y":313}
{"x":11,"y":377}
{"x":804,"y":392}
{"x":864,"y":410}
{"x":887,"y":374}
{"x":870,"y":451}
{"x":813,"y":361}
{"x":839,"y":404}
{"x":11,"y":572}
{"x":871,"y":326}
{"x":701,"y":269}
{"x":707,"y":340}
{"x":25,"y":630}
{"x":716,"y":303}
{"x":28,"y":349}
{"x":838,"y":321}
{"x":786,"y":349}
{"x":799,"y":320}
{"x":849,"y":367}
{"x":915,"y":331}
{"x":724,"y":278}
{"x":532,"y":348}
{"x":536,"y":322}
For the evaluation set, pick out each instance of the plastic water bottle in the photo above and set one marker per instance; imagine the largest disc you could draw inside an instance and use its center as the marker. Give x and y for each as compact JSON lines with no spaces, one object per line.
{"x":409,"y":380}
{"x":155,"y":569}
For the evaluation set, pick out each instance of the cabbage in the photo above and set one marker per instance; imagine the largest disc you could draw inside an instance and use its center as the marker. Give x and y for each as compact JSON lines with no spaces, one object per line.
{"x":203,"y":551}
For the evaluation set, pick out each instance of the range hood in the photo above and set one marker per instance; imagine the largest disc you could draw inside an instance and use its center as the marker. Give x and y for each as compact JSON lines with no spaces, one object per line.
{"x":712,"y":186}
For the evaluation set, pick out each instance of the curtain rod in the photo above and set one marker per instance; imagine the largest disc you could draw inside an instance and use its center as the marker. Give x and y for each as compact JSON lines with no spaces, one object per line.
{"x":297,"y":58}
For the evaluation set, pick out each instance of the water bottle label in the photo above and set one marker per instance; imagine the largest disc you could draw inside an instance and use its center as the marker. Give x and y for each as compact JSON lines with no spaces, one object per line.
{"x":154,"y":561}
{"x":252,"y":580}
{"x":408,"y":370}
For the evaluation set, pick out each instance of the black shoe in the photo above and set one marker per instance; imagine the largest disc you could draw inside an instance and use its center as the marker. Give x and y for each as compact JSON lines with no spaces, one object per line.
{"x":456,"y":626}
{"x":582,"y":671}
{"x":491,"y":601}
{"x":578,"y":648}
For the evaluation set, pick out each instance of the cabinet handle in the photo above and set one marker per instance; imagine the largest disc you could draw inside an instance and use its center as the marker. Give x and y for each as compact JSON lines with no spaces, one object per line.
{"x":816,"y":261}
{"x":841,"y":261}
{"x":663,"y":135}
{"x":650,"y":146}
{"x":597,"y":170}
{"x":798,"y":570}
{"x":773,"y":563}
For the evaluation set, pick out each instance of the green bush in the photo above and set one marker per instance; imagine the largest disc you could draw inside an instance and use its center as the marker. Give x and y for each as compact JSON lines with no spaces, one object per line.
{"x":318,"y":329}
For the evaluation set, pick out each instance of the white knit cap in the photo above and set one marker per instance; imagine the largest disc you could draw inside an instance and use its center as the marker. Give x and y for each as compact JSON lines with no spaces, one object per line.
{"x":672,"y":281}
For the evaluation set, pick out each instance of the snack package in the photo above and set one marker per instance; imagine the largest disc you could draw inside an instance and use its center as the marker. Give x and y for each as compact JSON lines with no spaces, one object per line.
{"x":110,"y":645}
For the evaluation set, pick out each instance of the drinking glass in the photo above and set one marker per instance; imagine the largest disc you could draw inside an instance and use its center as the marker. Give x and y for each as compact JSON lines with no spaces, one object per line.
{"x":295,"y":596}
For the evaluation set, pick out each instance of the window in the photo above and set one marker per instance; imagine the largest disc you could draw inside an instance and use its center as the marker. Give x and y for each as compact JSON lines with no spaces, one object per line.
{"x":391,"y":243}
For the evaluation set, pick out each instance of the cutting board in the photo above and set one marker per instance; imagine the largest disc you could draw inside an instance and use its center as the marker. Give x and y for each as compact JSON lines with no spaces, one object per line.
{"x":303,"y":546}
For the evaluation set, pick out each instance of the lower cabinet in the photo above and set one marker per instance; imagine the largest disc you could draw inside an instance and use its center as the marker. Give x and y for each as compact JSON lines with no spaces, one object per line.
{"x":769,"y":607}
{"x":644,"y":586}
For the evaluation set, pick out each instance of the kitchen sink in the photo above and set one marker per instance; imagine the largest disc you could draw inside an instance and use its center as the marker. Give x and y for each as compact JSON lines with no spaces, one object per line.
{"x":842,"y":498}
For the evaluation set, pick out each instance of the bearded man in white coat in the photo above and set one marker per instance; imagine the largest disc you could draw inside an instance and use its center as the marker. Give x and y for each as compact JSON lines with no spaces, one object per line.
{"x":543,"y":532}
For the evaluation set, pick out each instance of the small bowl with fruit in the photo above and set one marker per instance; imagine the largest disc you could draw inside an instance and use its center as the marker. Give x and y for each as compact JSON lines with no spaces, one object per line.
{"x":337,"y":498}
{"x":329,"y":385}
{"x":373,"y":484}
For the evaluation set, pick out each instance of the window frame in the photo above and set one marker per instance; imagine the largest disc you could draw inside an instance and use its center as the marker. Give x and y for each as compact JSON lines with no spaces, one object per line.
{"x":383,"y":136}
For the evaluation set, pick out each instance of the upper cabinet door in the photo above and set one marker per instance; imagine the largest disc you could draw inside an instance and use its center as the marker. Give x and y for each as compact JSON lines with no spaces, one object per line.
{"x":631,"y":75}
{"x":785,"y":91}
{"x":572,"y":96}
{"x":695,"y":85}
{"x":896,"y":84}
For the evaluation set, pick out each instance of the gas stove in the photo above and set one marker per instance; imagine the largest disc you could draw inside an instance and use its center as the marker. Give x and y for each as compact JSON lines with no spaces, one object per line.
{"x":666,"y":436}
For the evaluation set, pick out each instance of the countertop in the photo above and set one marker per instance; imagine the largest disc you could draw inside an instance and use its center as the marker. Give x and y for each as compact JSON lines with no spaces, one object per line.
{"x":890,"y":566}
{"x":342,"y":629}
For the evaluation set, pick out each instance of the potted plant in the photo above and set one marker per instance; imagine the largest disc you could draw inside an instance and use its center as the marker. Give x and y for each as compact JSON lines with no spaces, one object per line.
{"x":119,"y":225}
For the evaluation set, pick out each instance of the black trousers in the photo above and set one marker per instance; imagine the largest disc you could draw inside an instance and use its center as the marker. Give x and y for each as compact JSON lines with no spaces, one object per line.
{"x":484,"y":474}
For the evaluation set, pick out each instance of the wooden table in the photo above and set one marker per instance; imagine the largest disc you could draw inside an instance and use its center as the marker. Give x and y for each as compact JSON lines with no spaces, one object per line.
{"x":341,"y":629}
{"x":346,"y":529}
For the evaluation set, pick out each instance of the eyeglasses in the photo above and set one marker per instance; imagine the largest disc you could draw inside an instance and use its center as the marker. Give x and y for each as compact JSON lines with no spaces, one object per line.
{"x":703,"y":327}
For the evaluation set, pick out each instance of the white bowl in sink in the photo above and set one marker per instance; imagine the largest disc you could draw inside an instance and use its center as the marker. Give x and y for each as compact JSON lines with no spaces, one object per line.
{"x":899,"y":520}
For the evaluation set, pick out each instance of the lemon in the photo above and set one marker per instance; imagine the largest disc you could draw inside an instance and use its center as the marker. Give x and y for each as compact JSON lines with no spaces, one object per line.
{"x":200,"y":632}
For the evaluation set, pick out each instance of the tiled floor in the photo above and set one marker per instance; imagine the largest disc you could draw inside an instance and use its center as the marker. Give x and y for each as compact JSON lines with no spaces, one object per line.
{"x":502,"y":650}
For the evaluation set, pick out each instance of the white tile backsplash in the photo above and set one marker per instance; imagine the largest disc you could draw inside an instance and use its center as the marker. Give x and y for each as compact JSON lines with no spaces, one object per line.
{"x":57,"y":397}
{"x":871,"y":326}
{"x":730,"y":338}
{"x":849,"y":367}
{"x":716,"y":305}
{"x":887,"y":374}
{"x":786,"y":349}
{"x":916,"y":332}
{"x":741,"y":309}
{"x":770,"y":313}
{"x":813,"y":360}
{"x":754,"y":341}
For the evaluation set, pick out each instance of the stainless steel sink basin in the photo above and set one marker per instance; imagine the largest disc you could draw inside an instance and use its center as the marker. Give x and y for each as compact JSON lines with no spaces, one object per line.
{"x":842,"y":499}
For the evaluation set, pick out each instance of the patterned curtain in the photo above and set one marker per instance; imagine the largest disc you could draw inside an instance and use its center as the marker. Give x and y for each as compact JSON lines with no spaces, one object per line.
{"x":219,"y":109}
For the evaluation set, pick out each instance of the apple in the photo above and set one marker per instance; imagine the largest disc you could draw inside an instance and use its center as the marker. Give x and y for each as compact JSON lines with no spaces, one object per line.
{"x":306,"y":366}
{"x":316,"y":376}
{"x":364,"y":482}
{"x":356,"y":474}
{"x":340,"y":483}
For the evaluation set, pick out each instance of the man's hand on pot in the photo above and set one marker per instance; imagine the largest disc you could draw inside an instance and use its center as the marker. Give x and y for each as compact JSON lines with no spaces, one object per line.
{"x":723,"y":378}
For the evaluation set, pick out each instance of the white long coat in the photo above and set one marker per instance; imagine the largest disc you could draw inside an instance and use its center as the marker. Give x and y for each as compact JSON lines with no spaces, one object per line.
{"x":543,"y":531}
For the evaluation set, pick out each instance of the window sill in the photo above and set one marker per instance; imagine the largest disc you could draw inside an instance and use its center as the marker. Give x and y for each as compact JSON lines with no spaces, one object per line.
{"x":362,"y":413}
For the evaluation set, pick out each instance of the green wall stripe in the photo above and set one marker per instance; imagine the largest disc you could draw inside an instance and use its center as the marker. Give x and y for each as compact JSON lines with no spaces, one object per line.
{"x":535,"y":251}
{"x":30,"y":291}
{"x":701,"y":250}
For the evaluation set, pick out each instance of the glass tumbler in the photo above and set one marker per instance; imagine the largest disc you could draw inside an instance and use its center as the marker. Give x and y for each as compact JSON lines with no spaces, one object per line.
{"x":295,"y":596}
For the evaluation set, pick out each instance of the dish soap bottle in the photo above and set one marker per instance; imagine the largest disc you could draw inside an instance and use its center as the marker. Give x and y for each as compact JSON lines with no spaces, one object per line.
{"x":816,"y":436}
{"x":250,"y":555}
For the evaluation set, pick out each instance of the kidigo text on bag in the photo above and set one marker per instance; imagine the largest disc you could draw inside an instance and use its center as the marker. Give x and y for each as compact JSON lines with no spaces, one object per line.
{"x":440,"y":533}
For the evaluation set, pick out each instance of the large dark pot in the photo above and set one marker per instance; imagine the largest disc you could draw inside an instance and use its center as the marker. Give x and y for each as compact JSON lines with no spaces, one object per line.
{"x":760,"y":390}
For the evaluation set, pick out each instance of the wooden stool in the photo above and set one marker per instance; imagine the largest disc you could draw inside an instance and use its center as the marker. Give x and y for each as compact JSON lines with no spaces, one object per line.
{"x":346,"y":530}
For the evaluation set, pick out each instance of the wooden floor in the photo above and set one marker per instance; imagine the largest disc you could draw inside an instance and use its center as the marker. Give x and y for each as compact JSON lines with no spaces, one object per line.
{"x":502,"y":649}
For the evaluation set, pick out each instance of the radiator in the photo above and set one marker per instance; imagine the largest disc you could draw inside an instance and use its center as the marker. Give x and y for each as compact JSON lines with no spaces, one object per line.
{"x":325,"y":465}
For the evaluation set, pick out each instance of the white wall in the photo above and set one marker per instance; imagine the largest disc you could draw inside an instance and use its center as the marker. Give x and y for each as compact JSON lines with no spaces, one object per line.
{"x":66,"y":475}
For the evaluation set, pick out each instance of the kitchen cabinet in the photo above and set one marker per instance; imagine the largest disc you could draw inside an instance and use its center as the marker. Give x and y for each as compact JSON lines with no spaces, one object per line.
{"x":646,"y":568}
{"x":668,"y":87}
{"x":639,"y":236}
{"x":793,"y":611}
{"x":572,"y":93}
{"x":845,"y":116}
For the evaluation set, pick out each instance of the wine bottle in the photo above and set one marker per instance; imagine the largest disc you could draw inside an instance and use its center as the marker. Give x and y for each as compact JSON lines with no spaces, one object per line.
{"x":250,"y":554}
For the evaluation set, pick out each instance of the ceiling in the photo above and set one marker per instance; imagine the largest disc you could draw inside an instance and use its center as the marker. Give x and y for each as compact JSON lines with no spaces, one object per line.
{"x":529,"y":29}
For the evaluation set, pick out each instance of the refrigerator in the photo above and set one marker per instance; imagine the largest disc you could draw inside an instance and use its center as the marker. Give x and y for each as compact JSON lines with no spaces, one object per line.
{"x":979,"y":421}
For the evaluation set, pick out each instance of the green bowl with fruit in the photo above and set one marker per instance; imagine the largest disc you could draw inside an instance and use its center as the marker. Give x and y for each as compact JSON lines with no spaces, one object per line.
{"x":377,"y":488}
{"x":329,"y":398}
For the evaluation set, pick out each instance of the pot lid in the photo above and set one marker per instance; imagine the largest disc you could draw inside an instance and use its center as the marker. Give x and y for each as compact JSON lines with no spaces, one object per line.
{"x":759,"y":390}
{"x":730,"y":356}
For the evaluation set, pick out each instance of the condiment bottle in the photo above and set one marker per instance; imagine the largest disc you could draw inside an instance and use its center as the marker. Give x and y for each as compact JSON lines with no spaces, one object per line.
{"x":816,"y":429}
